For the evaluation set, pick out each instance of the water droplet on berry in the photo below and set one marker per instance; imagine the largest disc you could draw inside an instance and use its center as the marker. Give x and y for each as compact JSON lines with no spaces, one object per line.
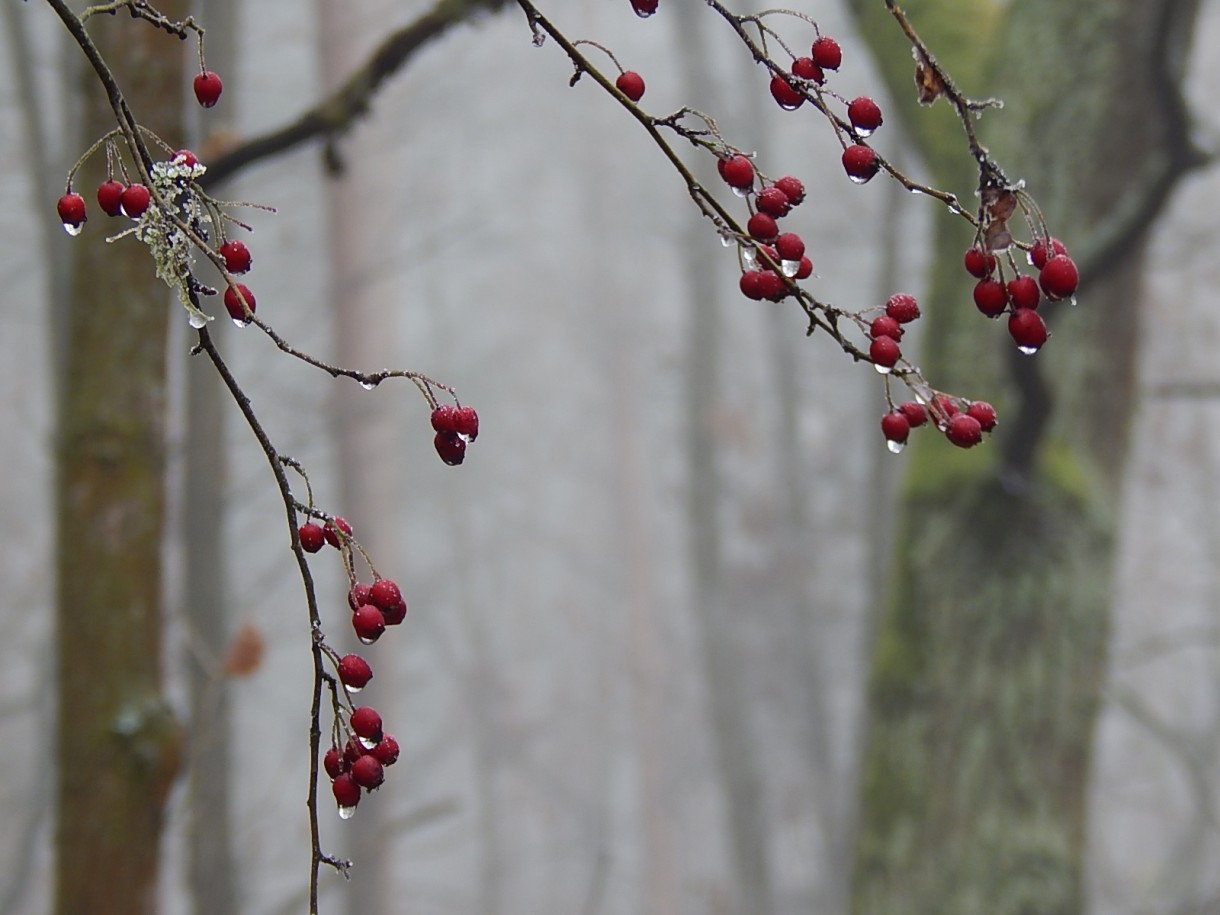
{"x":240,"y":322}
{"x":895,"y":447}
{"x":861,"y":179}
{"x":352,"y":689}
{"x":789,"y":106}
{"x":882,"y":369}
{"x":366,"y":640}
{"x":789,"y":268}
{"x":74,"y":228}
{"x":1027,"y":350}
{"x":742,"y":191}
{"x":864,"y":131}
{"x":367,"y":742}
{"x":346,"y":813}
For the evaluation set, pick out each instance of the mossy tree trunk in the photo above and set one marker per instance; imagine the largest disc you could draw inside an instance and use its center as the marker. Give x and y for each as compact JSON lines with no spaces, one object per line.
{"x":988,"y":664}
{"x":118,"y":741}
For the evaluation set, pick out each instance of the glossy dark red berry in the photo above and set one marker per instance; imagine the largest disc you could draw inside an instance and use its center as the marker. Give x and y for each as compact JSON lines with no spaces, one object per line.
{"x":109,"y":197}
{"x":234,"y":306}
{"x":332,"y":535}
{"x":208,"y":88}
{"x":644,"y":8}
{"x":354,"y":671}
{"x":1043,"y":249}
{"x":902,"y":307}
{"x":451,"y":447}
{"x":772,"y":201}
{"x":827,"y":53}
{"x":990,"y":297}
{"x":236,"y":256}
{"x":1028,"y":330}
{"x":793,"y":189}
{"x":71,"y":209}
{"x":895,"y":427}
{"x":978,"y":263}
{"x":915,"y":412}
{"x":395,"y":613}
{"x":384,"y":593}
{"x":884,"y":352}
{"x":346,"y":792}
{"x":773,"y":287}
{"x":186,"y":157}
{"x":1023,"y":292}
{"x":762,"y":227}
{"x":466,"y":422}
{"x":984,"y":413}
{"x":750,"y":285}
{"x":334,"y":762}
{"x":312,"y":538}
{"x":631,"y":84}
{"x":864,"y":115}
{"x":790,"y":246}
{"x":368,"y":623}
{"x":134,"y":200}
{"x":359,"y":594}
{"x":885,"y":326}
{"x":738,"y":172}
{"x":1059,"y":277}
{"x":807,"y":68}
{"x":964,"y":430}
{"x":804,"y":270}
{"x":785,"y":94}
{"x":366,"y":724}
{"x":860,"y":162}
{"x":386,"y":752}
{"x":367,"y":772}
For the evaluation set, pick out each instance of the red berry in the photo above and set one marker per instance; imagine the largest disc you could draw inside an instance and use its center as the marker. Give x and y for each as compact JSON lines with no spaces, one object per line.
{"x":1028,"y":330}
{"x":793,"y":189}
{"x":885,"y":326}
{"x":354,"y":671}
{"x":109,"y":194}
{"x":366,"y":724}
{"x":804,"y":270}
{"x":208,"y":88}
{"x":738,"y":172}
{"x":827,"y":53}
{"x":762,"y":227}
{"x":806,"y":68}
{"x":347,"y":793}
{"x":386,"y":752}
{"x":358,"y":595}
{"x":895,"y":427}
{"x":369,"y":623}
{"x":1043,"y":249}
{"x":236,"y":255}
{"x":71,"y":209}
{"x":134,"y":200}
{"x":790,"y":247}
{"x":233,"y":304}
{"x":751,"y":285}
{"x":353,"y":750}
{"x":772,"y":201}
{"x":1059,"y":277}
{"x":367,"y":772}
{"x":1023,"y":291}
{"x":444,"y":418}
{"x":644,"y":8}
{"x":189,"y":159}
{"x":631,"y":84}
{"x":451,"y":447}
{"x":944,"y":408}
{"x":395,"y":613}
{"x":860,"y":163}
{"x":885,"y":352}
{"x":915,"y":413}
{"x":902,"y":307}
{"x":864,"y":115}
{"x":991,"y":297}
{"x":312,"y":538}
{"x":334,"y":763}
{"x":964,"y":431}
{"x":466,"y":423}
{"x":332,"y":536}
{"x":384,"y":593}
{"x":773,"y":286}
{"x":978,"y":263}
{"x":984,"y":413}
{"x":784,"y":94}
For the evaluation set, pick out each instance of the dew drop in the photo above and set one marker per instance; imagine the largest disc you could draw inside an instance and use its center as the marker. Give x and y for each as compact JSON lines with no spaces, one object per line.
{"x":727,"y":240}
{"x":858,"y":179}
{"x":198,"y":319}
{"x":346,"y":813}
{"x":1027,"y":350}
{"x":368,"y":385}
{"x":74,"y":229}
{"x":749,"y":257}
{"x":919,"y":398}
{"x":915,"y":190}
{"x":789,"y":268}
{"x":366,"y":640}
{"x":1072,"y":300}
{"x":368,"y":743}
{"x":788,"y":106}
{"x":882,"y":369}
{"x":954,"y":208}
{"x":240,"y":322}
{"x":864,"y":131}
{"x":352,"y":689}
{"x":895,"y":447}
{"x":644,"y":12}
{"x":742,"y":191}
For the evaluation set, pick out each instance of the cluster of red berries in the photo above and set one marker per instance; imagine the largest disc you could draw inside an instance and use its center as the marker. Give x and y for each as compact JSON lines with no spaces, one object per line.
{"x":886,"y":330}
{"x":782,"y":253}
{"x":359,"y":765}
{"x":962,"y":422}
{"x":455,"y":428}
{"x":1021,"y":295}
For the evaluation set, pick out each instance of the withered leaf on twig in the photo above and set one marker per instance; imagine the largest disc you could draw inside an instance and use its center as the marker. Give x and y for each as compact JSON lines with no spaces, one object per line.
{"x":927,"y":81}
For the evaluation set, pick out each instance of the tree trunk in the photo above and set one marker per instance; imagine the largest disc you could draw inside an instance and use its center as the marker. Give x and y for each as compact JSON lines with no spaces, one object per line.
{"x":988,"y":663}
{"x":118,"y":741}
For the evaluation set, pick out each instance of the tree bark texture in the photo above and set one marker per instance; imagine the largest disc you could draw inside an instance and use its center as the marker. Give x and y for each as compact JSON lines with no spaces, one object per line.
{"x":118,"y":740}
{"x":988,"y":664}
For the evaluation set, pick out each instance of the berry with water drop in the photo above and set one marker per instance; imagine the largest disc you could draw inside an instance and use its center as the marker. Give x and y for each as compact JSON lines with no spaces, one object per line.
{"x":864,"y":114}
{"x":208,"y":88}
{"x":793,"y":189}
{"x":236,"y":256}
{"x":71,"y":209}
{"x":466,"y":422}
{"x":386,"y":752}
{"x":346,"y":791}
{"x":367,"y":772}
{"x":234,"y":296}
{"x":738,"y":172}
{"x":1028,"y":330}
{"x":1059,"y":277}
{"x":134,"y":200}
{"x":644,"y":8}
{"x":827,"y":53}
{"x":762,"y":227}
{"x":368,"y":623}
{"x":885,"y":352}
{"x":860,"y":162}
{"x":354,"y":671}
{"x":451,"y":447}
{"x":366,"y":724}
{"x":785,"y":94}
{"x":109,"y":196}
{"x":895,"y":427}
{"x":790,"y":247}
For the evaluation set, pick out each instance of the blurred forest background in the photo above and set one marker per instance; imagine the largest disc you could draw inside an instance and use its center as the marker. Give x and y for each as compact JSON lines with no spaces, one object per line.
{"x":684,"y":636}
